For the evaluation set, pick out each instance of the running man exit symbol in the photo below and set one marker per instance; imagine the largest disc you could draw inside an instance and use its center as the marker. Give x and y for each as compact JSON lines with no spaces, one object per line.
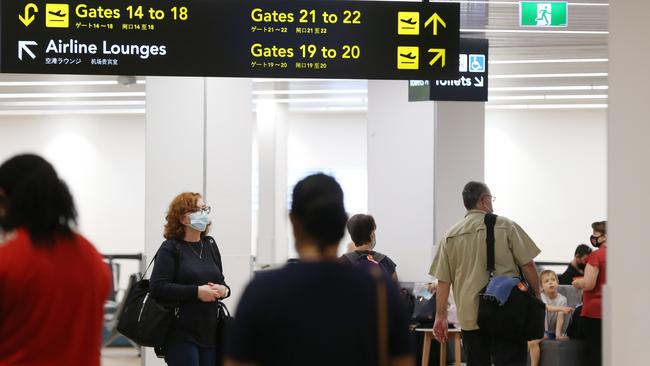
{"x":543,"y":14}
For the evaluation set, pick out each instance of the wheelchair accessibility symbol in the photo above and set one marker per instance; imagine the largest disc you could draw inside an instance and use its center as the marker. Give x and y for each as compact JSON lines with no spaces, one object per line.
{"x":476,"y":63}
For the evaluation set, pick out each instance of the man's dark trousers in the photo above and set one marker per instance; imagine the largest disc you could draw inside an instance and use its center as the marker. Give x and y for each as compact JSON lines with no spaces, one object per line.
{"x":482,"y":350}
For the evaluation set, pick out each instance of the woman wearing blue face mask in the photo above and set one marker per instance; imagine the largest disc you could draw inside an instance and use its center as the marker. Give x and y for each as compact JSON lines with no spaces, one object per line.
{"x":188,"y":271}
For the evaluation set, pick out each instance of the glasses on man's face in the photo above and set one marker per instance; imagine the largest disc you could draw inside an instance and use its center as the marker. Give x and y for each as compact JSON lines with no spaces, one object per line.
{"x":492,"y":198}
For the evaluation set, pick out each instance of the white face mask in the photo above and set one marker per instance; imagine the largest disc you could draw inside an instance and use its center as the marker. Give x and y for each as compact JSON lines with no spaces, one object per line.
{"x":199,"y":221}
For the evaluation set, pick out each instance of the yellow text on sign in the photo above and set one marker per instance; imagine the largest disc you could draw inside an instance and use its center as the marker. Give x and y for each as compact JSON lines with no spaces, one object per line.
{"x":57,"y":15}
{"x":408,"y":58}
{"x":408,"y":23}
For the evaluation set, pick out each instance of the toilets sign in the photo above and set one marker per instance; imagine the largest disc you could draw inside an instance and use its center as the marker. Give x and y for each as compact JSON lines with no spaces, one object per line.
{"x":472,"y":83}
{"x":543,"y":14}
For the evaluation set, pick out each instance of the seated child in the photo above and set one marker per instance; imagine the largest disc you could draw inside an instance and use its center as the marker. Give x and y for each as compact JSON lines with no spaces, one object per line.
{"x":555,"y":311}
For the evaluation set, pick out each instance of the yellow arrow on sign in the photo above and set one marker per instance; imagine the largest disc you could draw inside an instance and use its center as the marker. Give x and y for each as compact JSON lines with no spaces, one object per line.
{"x":440,"y":54}
{"x":28,"y":18}
{"x":435,"y":19}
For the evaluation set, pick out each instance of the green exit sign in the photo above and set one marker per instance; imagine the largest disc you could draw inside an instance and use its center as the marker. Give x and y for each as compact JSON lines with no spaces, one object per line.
{"x":543,"y":14}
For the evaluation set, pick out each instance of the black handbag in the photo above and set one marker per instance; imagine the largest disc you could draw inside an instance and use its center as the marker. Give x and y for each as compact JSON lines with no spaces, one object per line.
{"x":521,"y":316}
{"x":424,"y":311}
{"x":145,"y":320}
{"x":224,"y":323}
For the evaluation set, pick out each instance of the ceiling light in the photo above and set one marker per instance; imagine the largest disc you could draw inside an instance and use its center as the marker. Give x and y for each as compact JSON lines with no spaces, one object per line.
{"x":568,"y":75}
{"x":467,"y":30}
{"x":329,"y":109}
{"x":545,"y":88}
{"x":63,"y":83}
{"x":547,"y":106}
{"x":577,"y":96}
{"x":71,"y":95}
{"x":321,"y":91}
{"x":550,"y":61}
{"x":73,"y":103}
{"x":311,"y":100}
{"x":543,"y":97}
{"x":286,"y":80}
{"x":36,"y":112}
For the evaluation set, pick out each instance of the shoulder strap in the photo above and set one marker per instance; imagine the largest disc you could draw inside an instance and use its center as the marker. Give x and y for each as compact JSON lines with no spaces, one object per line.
{"x":353,"y":256}
{"x":490,"y":220}
{"x":216,"y":256}
{"x":177,"y":258}
{"x":379,"y":256}
{"x":382,"y":317}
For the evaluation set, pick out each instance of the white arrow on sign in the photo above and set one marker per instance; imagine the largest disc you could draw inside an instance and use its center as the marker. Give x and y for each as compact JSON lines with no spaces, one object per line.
{"x":24,"y":46}
{"x":478,"y":81}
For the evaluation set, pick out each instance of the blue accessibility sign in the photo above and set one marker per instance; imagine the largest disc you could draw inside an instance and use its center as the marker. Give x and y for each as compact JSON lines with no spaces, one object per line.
{"x":476,"y":63}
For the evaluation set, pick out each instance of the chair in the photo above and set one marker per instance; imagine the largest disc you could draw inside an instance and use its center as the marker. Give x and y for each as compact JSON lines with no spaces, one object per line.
{"x":565,"y":353}
{"x":112,"y":313}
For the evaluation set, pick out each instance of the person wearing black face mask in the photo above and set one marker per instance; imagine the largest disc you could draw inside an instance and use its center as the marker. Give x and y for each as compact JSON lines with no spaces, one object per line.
{"x":577,"y":266}
{"x":591,"y":285}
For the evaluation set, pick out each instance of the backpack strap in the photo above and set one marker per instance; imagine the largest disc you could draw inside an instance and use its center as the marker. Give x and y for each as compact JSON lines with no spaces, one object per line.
{"x":353,"y":256}
{"x":490,"y":220}
{"x":379,"y":257}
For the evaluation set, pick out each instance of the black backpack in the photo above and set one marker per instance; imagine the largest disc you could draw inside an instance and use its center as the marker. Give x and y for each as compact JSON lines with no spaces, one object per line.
{"x":367,"y":260}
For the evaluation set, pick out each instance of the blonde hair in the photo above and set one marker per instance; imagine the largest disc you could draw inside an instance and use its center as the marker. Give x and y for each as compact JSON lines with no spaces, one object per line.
{"x":547,"y":272}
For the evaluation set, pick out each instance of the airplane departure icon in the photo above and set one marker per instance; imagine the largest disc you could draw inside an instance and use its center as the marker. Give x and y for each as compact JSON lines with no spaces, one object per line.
{"x":57,"y":13}
{"x":408,"y":23}
{"x":409,"y":55}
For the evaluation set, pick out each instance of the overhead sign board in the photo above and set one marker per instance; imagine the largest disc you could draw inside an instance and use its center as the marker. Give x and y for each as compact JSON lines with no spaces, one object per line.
{"x":258,"y":38}
{"x":471,"y":85}
{"x":543,"y":14}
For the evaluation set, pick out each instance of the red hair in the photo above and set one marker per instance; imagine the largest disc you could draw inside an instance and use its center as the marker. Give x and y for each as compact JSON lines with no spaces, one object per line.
{"x":181,"y":205}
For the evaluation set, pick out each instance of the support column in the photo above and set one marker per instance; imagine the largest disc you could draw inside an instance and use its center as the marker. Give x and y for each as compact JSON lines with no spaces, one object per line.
{"x":625,"y":322}
{"x":400,"y":176}
{"x":420,"y":154}
{"x":229,"y":163}
{"x":459,"y":151}
{"x":272,"y":237}
{"x":198,"y":138}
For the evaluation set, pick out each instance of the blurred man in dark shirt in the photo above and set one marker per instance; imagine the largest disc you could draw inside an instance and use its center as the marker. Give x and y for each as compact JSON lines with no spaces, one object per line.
{"x":577,"y":266}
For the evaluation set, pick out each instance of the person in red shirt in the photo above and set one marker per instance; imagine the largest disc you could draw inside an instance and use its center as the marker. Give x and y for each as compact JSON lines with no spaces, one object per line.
{"x":53,"y":282}
{"x":592,"y":293}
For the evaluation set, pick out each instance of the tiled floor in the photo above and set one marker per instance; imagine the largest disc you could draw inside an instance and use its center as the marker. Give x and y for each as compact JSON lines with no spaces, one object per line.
{"x":120,"y":356}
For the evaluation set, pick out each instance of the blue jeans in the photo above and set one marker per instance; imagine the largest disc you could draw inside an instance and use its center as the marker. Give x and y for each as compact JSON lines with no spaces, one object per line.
{"x":190,"y":354}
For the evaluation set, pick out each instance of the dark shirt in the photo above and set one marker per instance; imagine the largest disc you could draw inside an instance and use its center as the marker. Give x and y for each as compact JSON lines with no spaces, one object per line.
{"x":315,"y":313}
{"x":176,"y":277}
{"x":387,"y":263}
{"x":566,"y":278}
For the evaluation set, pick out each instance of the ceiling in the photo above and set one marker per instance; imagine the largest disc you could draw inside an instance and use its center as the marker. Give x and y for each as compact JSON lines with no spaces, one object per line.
{"x":542,"y":68}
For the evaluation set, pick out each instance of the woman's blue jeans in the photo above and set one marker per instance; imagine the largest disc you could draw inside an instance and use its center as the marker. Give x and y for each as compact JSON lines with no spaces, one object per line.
{"x":190,"y":354}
